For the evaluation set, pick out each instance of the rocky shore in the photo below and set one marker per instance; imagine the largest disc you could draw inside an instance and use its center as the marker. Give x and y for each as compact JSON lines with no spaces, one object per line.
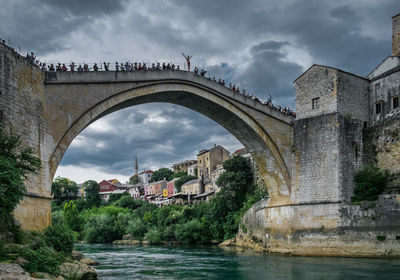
{"x":77,"y":267}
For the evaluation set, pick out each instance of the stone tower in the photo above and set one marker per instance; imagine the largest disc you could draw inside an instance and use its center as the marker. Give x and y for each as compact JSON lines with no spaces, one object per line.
{"x":396,"y":35}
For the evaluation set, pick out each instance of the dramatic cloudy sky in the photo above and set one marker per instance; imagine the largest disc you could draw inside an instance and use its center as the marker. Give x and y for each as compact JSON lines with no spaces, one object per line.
{"x":260,"y":45}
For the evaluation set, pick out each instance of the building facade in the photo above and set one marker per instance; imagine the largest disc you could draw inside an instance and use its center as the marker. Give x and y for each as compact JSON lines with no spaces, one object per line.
{"x":192,"y":170}
{"x":207,"y":161}
{"x":171,"y":187}
{"x":144,"y":177}
{"x":183,"y":166}
{"x":191,"y":187}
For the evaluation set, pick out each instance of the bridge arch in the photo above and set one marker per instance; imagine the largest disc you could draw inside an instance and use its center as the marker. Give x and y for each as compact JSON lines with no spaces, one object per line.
{"x":238,"y":120}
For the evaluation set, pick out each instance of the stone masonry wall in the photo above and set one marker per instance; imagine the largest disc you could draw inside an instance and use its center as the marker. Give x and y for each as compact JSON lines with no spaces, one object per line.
{"x":396,"y":36}
{"x":383,"y":90}
{"x":23,"y":109}
{"x":316,"y":150}
{"x":353,"y":96}
{"x":317,"y":82}
{"x":382,"y":147}
{"x":351,"y":154}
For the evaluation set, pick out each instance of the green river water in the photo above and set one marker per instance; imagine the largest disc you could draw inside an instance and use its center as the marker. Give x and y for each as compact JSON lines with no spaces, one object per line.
{"x":164,"y":262}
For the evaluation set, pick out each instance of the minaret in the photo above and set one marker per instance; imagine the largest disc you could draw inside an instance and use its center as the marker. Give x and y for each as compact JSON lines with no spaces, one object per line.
{"x":136,"y":165}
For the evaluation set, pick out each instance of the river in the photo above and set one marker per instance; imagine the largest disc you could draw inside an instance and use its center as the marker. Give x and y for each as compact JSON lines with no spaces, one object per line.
{"x":164,"y":262}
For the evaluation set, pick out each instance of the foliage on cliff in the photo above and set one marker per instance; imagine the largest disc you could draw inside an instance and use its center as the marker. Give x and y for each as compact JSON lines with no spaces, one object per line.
{"x":370,"y":181}
{"x":16,"y":163}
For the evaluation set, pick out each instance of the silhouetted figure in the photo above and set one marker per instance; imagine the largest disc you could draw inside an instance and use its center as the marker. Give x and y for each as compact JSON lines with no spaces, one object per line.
{"x":187,"y":57}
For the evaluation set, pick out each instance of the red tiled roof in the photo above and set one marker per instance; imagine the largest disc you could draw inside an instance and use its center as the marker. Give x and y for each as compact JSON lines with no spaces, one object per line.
{"x":147,"y":171}
{"x":238,"y":151}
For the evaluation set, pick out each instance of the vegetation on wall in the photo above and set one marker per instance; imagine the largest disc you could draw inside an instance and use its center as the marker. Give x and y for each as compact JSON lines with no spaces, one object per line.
{"x":16,"y":163}
{"x":370,"y":181}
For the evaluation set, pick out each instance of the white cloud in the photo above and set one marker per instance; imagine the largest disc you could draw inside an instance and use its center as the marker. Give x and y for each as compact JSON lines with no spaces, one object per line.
{"x":80,"y":174}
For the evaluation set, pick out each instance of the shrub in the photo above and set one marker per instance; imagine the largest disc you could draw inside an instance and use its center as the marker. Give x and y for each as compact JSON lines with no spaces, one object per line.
{"x":112,"y":211}
{"x":370,"y":182}
{"x":136,"y":229}
{"x":57,"y":218}
{"x":80,"y":204}
{"x":231,"y":225}
{"x":153,"y":236}
{"x":60,"y":237}
{"x":71,"y":216}
{"x":190,"y":232}
{"x":43,"y":259}
{"x":126,"y":201}
{"x":100,"y":229}
{"x":121,"y":223}
{"x":148,"y":217}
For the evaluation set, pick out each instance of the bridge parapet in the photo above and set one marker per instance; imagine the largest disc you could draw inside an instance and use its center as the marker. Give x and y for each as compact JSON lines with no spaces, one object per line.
{"x":140,"y":77}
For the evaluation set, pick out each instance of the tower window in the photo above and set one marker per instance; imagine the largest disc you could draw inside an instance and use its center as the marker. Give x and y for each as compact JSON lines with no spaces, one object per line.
{"x":395,"y":102}
{"x":315,"y":103}
{"x":378,"y":108}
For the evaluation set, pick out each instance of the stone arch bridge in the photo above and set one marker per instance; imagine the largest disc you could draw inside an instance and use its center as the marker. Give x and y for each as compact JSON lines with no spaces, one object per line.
{"x":51,"y":108}
{"x":76,"y":99}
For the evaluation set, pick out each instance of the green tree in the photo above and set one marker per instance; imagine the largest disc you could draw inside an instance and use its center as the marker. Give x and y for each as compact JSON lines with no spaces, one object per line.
{"x":16,"y":163}
{"x":235,"y":182}
{"x":370,"y":181}
{"x":71,"y":216}
{"x":64,"y":187}
{"x":178,"y":183}
{"x":161,"y":174}
{"x":126,"y":201}
{"x":180,"y":174}
{"x":134,"y":179}
{"x":92,"y":194}
{"x":116,"y":196}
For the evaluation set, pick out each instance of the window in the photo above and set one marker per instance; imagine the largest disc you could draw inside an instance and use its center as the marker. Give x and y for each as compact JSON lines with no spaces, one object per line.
{"x":395,"y":102}
{"x":315,"y":103}
{"x":378,"y":108}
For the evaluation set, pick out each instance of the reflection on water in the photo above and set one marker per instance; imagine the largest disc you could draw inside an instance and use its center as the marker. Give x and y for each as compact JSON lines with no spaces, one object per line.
{"x":162,"y":262}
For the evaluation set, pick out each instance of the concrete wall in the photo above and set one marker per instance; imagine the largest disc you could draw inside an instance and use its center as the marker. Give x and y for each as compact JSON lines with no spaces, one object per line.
{"x":23,"y":111}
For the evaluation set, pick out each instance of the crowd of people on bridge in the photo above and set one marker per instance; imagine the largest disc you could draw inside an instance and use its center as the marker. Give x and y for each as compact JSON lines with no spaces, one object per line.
{"x":127,"y":66}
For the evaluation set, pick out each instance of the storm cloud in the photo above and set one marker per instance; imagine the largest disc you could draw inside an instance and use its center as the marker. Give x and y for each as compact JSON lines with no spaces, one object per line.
{"x":259,"y":45}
